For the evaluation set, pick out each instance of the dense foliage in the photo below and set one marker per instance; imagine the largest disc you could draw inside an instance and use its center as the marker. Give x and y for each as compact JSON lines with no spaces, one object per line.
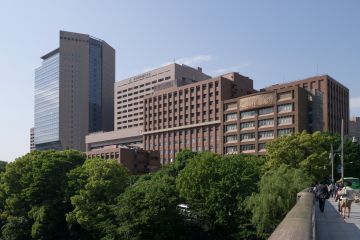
{"x":96,"y":184}
{"x":2,"y":166}
{"x":309,"y":152}
{"x":275,"y":197}
{"x":35,"y":196}
{"x":215,"y":189}
{"x":61,"y":195}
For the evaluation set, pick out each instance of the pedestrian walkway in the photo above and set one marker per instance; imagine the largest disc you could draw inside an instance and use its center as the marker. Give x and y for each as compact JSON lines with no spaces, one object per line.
{"x":331,"y":226}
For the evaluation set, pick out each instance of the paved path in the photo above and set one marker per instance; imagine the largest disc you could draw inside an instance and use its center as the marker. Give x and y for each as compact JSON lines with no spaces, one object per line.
{"x":331,"y":226}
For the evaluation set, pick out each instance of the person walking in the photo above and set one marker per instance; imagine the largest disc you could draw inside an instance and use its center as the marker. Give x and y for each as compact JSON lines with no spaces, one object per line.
{"x":332,"y":190}
{"x":322,"y":193}
{"x":346,"y":198}
{"x":337,"y":197}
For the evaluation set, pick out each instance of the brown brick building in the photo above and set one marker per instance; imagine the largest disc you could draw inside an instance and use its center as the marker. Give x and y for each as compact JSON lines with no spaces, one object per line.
{"x":251,"y":121}
{"x":190,"y":117}
{"x":332,"y":102}
{"x":225,"y":115}
{"x":137,"y":161}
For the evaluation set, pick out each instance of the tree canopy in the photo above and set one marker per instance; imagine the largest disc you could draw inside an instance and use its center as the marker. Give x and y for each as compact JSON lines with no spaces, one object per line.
{"x":215,"y":189}
{"x":277,"y":190}
{"x":309,"y":152}
{"x":34,"y":192}
{"x":96,"y":184}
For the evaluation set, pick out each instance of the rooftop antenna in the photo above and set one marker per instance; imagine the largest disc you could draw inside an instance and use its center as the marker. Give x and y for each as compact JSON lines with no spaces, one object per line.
{"x":317,"y":70}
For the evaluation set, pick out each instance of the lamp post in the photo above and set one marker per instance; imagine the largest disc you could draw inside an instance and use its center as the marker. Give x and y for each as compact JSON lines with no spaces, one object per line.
{"x":332,"y":163}
{"x":342,"y":150}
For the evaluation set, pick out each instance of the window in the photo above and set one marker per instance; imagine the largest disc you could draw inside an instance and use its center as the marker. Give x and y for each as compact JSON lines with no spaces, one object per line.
{"x":247,"y":136}
{"x":230,"y":117}
{"x":248,"y":147}
{"x":266,"y":122}
{"x":232,"y":138}
{"x":285,"y":131}
{"x":230,"y":150}
{"x":285,"y":120}
{"x":266,"y":134}
{"x":261,"y":146}
{"x":265,"y":111}
{"x":247,"y":125}
{"x":248,"y":114}
{"x":231,"y":127}
{"x":285,"y":108}
{"x":230,"y":106}
{"x":285,"y":96}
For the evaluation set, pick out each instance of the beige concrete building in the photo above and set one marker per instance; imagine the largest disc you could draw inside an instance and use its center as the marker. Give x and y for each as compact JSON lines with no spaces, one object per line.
{"x":74,"y":92}
{"x":129,"y":93}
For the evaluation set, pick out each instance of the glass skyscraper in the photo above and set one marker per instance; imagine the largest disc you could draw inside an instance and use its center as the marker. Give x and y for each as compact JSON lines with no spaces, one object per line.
{"x":74,"y":92}
{"x":47,"y":103}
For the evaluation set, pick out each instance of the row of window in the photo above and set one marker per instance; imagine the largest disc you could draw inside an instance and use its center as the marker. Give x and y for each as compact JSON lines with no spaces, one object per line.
{"x":281,"y":96}
{"x":259,"y":112}
{"x":244,"y":148}
{"x":285,"y":120}
{"x":142,"y":85}
{"x":185,"y":91}
{"x":249,"y":136}
{"x":261,"y":135}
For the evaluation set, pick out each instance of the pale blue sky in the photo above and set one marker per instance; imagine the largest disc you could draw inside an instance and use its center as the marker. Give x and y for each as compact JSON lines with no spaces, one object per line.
{"x":270,"y":41}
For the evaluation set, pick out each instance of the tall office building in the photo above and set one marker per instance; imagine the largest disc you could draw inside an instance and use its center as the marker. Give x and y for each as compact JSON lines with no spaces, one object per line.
{"x":74,"y":92}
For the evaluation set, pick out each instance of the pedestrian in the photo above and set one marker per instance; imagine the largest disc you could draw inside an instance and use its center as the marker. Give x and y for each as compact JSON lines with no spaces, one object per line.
{"x":322,"y":193}
{"x":337,"y":196}
{"x":332,"y":190}
{"x":346,"y":198}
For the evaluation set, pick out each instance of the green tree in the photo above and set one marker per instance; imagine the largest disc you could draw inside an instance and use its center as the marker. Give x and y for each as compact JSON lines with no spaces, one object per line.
{"x":148,"y":209}
{"x":97,"y":184}
{"x":215,"y":189}
{"x":276,"y":196}
{"x":309,"y":152}
{"x":2,"y":166}
{"x":16,"y":228}
{"x":34,"y":190}
{"x":351,"y":159}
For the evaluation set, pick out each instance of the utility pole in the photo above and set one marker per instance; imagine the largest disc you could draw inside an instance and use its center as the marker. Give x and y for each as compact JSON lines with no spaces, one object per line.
{"x":342,"y":150}
{"x":332,"y":163}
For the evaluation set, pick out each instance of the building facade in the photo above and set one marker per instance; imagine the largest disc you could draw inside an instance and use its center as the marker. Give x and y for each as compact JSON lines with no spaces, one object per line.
{"x":137,"y":161}
{"x":249,"y":122}
{"x":32,"y":143}
{"x":331,"y":100}
{"x":354,"y":128}
{"x":189,"y":117}
{"x":225,"y":115}
{"x":129,"y":94}
{"x":74,"y":89}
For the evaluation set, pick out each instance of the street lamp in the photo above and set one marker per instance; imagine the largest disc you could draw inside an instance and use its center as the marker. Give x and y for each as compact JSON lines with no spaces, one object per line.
{"x":332,"y":156}
{"x":341,"y":154}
